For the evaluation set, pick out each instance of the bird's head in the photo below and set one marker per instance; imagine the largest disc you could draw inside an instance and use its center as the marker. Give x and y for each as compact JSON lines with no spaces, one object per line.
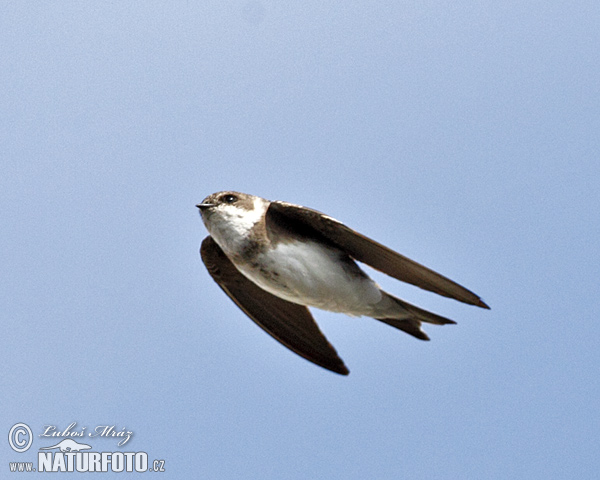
{"x":229,"y":215}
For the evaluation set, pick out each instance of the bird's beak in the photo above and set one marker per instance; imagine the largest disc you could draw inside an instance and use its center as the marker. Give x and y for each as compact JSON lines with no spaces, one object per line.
{"x":204,"y":206}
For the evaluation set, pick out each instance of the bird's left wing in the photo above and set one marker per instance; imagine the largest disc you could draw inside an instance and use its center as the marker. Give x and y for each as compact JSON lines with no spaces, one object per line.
{"x":289,"y":323}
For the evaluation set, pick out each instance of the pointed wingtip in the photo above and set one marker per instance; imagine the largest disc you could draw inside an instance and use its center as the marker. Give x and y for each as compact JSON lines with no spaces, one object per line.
{"x":482,"y":304}
{"x":341,"y":369}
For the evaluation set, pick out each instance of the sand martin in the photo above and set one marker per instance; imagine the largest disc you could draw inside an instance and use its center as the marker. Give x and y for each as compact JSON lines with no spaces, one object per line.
{"x":275,"y":259}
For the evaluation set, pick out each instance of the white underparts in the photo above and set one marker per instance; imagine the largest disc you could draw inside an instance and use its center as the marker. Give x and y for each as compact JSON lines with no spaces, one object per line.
{"x":305,"y":271}
{"x":314,"y":274}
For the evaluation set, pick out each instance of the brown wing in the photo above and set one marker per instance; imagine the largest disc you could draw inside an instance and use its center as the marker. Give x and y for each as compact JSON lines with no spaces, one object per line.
{"x":311,"y":222}
{"x":289,"y":323}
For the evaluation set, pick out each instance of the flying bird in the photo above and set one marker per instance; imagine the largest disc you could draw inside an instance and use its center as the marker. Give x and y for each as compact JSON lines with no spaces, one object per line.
{"x":274,"y":259}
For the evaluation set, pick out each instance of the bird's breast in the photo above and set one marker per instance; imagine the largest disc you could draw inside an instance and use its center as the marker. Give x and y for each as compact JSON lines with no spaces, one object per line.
{"x":314,"y":274}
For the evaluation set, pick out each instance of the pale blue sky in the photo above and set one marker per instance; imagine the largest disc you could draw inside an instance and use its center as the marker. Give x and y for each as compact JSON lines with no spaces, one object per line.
{"x":462,"y":134}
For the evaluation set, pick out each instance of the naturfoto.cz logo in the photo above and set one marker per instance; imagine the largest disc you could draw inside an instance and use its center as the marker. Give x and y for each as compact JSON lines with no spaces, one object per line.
{"x":72,"y":455}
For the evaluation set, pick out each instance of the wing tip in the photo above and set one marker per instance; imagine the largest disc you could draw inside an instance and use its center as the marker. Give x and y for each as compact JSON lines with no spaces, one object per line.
{"x":482,"y":304}
{"x":336,"y":366}
{"x":342,"y":370}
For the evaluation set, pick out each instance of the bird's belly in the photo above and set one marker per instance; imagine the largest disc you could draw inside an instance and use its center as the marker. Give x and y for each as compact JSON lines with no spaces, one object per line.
{"x":315,"y":275}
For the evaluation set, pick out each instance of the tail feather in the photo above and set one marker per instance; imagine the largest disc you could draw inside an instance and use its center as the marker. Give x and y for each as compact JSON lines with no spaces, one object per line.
{"x":411,"y":321}
{"x":410,"y":326}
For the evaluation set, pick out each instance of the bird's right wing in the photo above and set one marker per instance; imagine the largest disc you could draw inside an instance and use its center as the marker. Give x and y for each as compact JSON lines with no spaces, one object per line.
{"x":289,"y":323}
{"x":307,"y":221}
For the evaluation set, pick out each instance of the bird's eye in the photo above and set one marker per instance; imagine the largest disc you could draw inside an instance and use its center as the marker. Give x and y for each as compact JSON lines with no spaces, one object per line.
{"x":229,"y":198}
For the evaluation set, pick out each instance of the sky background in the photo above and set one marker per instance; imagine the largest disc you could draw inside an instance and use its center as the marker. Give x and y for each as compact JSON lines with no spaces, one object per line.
{"x":463,"y":134}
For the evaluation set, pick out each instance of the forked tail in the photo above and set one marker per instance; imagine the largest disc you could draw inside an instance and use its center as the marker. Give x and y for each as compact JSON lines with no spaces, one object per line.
{"x":414,"y":316}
